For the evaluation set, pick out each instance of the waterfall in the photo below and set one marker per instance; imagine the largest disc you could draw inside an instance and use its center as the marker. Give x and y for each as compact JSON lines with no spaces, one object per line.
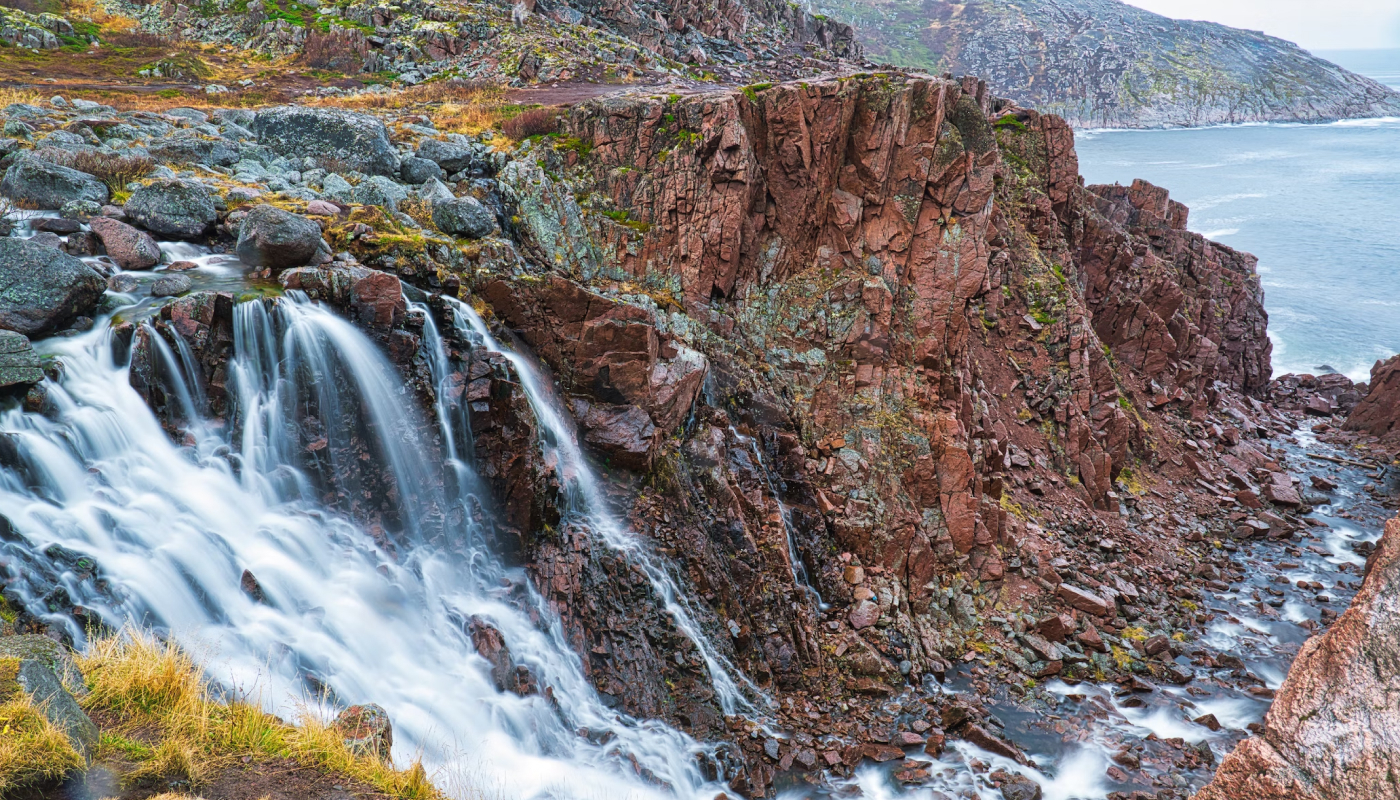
{"x":799,"y":569}
{"x":111,"y":516}
{"x":584,"y":501}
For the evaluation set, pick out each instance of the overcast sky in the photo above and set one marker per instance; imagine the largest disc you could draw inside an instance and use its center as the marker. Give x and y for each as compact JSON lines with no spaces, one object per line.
{"x":1314,"y":24}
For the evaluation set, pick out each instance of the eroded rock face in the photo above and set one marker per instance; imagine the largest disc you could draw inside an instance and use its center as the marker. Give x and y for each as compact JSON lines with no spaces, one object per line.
{"x":1333,"y":731}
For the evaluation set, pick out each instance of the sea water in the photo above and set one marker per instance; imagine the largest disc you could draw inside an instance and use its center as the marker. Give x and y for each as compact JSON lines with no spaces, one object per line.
{"x":1318,"y":204}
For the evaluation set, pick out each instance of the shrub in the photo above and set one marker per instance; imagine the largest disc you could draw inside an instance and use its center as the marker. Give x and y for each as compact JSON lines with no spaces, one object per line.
{"x":113,"y":170}
{"x":333,"y":51}
{"x":532,"y":122}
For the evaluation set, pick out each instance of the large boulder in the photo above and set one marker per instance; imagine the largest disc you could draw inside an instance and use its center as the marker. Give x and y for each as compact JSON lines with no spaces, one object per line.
{"x":35,"y":183}
{"x":272,"y":237}
{"x":19,"y":362}
{"x":130,"y":248}
{"x":464,"y":216}
{"x":39,"y":667}
{"x":451,"y":156}
{"x":1333,"y":732}
{"x":339,"y":140}
{"x":378,"y":190}
{"x":195,"y":151}
{"x":1378,"y":413}
{"x":43,"y":289}
{"x":171,"y":207}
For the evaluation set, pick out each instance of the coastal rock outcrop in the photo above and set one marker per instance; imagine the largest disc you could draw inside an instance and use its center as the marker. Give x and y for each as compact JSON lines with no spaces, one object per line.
{"x":1108,"y":64}
{"x":1378,"y":413}
{"x":1333,"y":731}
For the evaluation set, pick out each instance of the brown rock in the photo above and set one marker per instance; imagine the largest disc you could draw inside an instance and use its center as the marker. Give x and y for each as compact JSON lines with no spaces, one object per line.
{"x":1090,"y":639}
{"x":1378,"y":413}
{"x":130,"y":248}
{"x":1056,"y":627}
{"x":1084,"y":600}
{"x":864,"y":614}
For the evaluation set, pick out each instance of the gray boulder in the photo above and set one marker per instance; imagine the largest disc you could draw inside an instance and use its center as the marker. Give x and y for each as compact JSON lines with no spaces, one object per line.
{"x":272,"y":237}
{"x":81,"y":210}
{"x":451,"y":156}
{"x":195,"y":151}
{"x":45,"y":672}
{"x":338,"y":189}
{"x":43,"y":289}
{"x":464,"y":216}
{"x":19,"y":363}
{"x":342,"y":139}
{"x":419,"y":170}
{"x":130,"y":248}
{"x":35,"y":183}
{"x":171,"y":207}
{"x":378,"y":190}
{"x":435,"y":191}
{"x":171,"y":285}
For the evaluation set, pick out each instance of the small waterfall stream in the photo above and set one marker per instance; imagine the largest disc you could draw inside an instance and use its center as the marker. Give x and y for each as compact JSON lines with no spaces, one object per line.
{"x":109,"y":515}
{"x":586,"y":502}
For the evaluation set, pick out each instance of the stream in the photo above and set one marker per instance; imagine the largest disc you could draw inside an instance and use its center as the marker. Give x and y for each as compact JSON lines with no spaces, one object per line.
{"x":111,"y":515}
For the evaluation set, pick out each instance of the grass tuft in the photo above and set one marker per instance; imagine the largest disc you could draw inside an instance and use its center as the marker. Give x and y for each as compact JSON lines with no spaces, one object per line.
{"x":32,"y":749}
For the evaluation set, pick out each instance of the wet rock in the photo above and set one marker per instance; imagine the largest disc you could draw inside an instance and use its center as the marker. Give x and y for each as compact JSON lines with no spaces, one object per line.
{"x":622,"y":434}
{"x":464,"y":216}
{"x":338,"y":140}
{"x":976,"y":734}
{"x":181,"y":209}
{"x":20,"y":366}
{"x":57,"y":225}
{"x":81,"y":210}
{"x":1378,"y":413}
{"x":367,"y":730}
{"x":171,"y":285}
{"x":43,"y":289}
{"x":864,"y":614}
{"x":377,"y":299}
{"x":39,"y":667}
{"x":130,"y":248}
{"x":248,"y":583}
{"x":123,"y":282}
{"x":1019,"y":787}
{"x":272,"y":237}
{"x":34,"y":183}
{"x":1331,"y":732}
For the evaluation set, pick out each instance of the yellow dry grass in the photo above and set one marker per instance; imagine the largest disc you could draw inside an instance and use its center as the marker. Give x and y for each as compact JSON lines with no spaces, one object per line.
{"x":157,"y":685}
{"x":32,"y":750}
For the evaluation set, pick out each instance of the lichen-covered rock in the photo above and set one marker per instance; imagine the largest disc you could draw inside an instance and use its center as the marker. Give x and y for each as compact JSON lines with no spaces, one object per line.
{"x":378,"y":190}
{"x":452,"y":157}
{"x":195,"y":151}
{"x":130,"y":248}
{"x":464,"y":216}
{"x":19,"y":363}
{"x":418,"y":171}
{"x":182,"y":209}
{"x":39,"y":667}
{"x":342,"y":139}
{"x":171,"y":285}
{"x":34,"y":183}
{"x":272,"y":237}
{"x":43,"y":289}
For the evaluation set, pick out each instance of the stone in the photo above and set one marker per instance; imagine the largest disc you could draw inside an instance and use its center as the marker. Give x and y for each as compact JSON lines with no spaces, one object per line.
{"x":378,"y":300}
{"x":57,"y":225}
{"x":1084,"y":600}
{"x":275,"y":238}
{"x":321,"y":208}
{"x":367,"y":730}
{"x":42,"y":289}
{"x":194,"y":151}
{"x":338,"y":140}
{"x":1378,"y":413}
{"x":417,"y":171}
{"x":1333,"y":731}
{"x":171,"y":285}
{"x":450,"y":156}
{"x":123,"y":283}
{"x":378,"y":190}
{"x":19,"y":362}
{"x":81,"y":210}
{"x":1019,"y":787}
{"x":864,"y":614}
{"x":623,"y":435}
{"x":1091,"y":640}
{"x":181,"y":209}
{"x":130,"y":248}
{"x":34,"y":183}
{"x":181,"y":266}
{"x":1055,"y":627}
{"x":1281,"y":495}
{"x":464,"y":216}
{"x":40,"y":667}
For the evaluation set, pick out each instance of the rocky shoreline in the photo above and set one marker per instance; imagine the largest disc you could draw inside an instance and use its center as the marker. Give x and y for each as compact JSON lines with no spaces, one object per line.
{"x":967,"y":468}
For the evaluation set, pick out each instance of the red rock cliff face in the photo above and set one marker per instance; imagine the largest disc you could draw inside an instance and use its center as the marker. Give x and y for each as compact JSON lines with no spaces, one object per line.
{"x":1333,"y":731}
{"x":900,"y":298}
{"x":1378,"y":413}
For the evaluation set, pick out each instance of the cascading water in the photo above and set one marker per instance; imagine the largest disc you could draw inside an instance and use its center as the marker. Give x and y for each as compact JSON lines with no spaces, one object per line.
{"x":799,"y":569}
{"x":585,"y":501}
{"x":112,"y":517}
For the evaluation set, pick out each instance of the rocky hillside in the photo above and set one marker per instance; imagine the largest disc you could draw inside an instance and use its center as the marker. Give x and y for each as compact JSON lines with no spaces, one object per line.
{"x":1104,"y":63}
{"x":894,"y":397}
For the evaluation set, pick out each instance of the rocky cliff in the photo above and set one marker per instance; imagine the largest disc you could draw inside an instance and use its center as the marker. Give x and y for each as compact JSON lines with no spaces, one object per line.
{"x":1104,"y":63}
{"x":1331,"y":732}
